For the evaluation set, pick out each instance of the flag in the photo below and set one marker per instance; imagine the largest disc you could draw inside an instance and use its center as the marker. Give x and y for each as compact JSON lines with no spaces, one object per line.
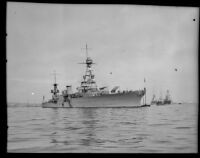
{"x":144,"y":80}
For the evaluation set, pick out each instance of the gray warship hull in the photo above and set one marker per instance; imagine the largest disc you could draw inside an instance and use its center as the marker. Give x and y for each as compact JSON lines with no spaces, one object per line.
{"x":107,"y":100}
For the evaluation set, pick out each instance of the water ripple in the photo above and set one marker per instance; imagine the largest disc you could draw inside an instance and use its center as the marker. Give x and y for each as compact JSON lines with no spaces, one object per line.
{"x":136,"y":130}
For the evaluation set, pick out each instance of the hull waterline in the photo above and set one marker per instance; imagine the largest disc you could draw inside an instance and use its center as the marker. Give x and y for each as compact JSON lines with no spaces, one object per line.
{"x":110,"y":100}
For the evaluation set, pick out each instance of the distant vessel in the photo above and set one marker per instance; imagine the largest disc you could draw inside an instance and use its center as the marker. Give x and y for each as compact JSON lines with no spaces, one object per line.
{"x":89,"y":95}
{"x":167,"y":99}
{"x":160,"y":101}
{"x":153,"y":101}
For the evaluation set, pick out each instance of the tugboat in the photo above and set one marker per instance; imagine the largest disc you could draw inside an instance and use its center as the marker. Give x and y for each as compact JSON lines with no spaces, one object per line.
{"x":89,"y":95}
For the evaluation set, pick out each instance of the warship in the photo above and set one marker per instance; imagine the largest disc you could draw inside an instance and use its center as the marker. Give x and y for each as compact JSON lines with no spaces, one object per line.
{"x":165,"y":101}
{"x":89,"y":95}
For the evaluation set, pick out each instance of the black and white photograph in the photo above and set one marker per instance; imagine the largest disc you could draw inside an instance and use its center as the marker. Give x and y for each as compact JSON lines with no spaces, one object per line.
{"x":101,"y":78}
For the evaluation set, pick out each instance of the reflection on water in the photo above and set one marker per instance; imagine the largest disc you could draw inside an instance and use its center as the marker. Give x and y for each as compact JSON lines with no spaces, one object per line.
{"x":89,"y":123}
{"x":170,"y":128}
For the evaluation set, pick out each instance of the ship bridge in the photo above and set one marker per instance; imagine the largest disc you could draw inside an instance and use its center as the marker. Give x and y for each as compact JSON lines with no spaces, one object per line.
{"x":88,"y":84}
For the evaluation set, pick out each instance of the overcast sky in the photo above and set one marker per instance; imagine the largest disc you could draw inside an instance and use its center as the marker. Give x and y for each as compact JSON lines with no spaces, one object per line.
{"x":131,"y":41}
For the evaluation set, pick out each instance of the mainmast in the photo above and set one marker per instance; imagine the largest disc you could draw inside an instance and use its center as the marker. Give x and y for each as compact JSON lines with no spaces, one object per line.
{"x":86,"y":48}
{"x":55,"y":90}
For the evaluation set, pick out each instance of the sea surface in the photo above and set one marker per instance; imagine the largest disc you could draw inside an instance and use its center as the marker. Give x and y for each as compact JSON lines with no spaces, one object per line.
{"x":156,"y":129}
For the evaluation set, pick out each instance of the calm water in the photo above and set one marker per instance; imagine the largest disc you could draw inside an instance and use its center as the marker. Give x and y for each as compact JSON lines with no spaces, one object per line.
{"x":155,"y":129}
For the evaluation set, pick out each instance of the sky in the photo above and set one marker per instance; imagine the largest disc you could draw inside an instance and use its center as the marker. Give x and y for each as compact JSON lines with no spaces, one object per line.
{"x":131,"y":41}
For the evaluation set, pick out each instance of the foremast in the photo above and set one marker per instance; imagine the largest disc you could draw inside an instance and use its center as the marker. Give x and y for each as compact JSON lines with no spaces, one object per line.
{"x":88,"y":84}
